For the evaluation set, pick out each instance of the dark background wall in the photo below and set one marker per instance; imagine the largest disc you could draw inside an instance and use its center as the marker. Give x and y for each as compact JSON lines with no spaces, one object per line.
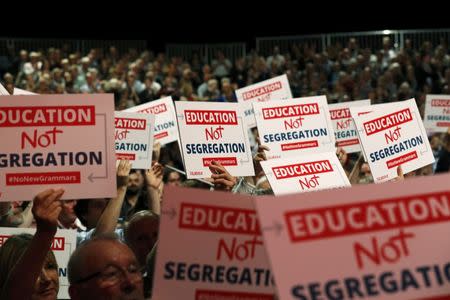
{"x":162,"y":22}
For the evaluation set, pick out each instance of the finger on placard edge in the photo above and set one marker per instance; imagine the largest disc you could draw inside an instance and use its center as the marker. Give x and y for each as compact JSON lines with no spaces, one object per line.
{"x":216,"y":168}
{"x":44,"y":194}
{"x":56,"y":195}
{"x":223,"y":181}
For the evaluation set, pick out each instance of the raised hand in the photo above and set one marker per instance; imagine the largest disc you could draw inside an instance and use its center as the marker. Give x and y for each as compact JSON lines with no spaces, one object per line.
{"x":221,"y":178}
{"x":342,"y":155}
{"x":156,"y":151}
{"x":46,"y":209}
{"x":400,"y":175}
{"x":123,"y":170}
{"x":155,"y":176}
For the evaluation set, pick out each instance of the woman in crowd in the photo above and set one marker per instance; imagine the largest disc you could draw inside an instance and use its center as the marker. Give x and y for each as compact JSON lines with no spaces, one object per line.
{"x":28,"y":266}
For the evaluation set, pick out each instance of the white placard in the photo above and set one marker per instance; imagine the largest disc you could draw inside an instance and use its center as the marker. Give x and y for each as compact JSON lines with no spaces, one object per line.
{"x":311,"y":172}
{"x":437,"y":113}
{"x":17,"y":91}
{"x":210,"y":247}
{"x":276,"y":88}
{"x":134,"y":138}
{"x":55,"y":140}
{"x":343,"y":125}
{"x":295,"y":127}
{"x":392,"y":137}
{"x":362,"y":110}
{"x":165,"y":129}
{"x":383,"y":242}
{"x":23,"y":92}
{"x":213,"y":131}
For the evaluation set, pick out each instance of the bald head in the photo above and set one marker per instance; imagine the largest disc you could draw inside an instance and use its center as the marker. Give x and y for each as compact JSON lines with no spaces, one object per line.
{"x":104,"y":268}
{"x":141,"y":234}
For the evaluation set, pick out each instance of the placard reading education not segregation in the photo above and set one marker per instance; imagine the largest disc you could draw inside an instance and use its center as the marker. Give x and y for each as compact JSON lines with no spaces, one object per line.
{"x":134,"y":138}
{"x":64,"y":243}
{"x":213,"y":131}
{"x":437,"y":113}
{"x":343,"y":125}
{"x":165,"y":129}
{"x":295,"y":126}
{"x":276,"y":88}
{"x":392,"y":137}
{"x":309,"y":172}
{"x":386,"y":242}
{"x":210,"y":247}
{"x":53,"y":141}
{"x":363,"y":110}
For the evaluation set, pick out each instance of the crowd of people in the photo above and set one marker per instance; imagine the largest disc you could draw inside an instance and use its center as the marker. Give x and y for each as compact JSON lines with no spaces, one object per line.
{"x":125,"y":229}
{"x":341,"y":72}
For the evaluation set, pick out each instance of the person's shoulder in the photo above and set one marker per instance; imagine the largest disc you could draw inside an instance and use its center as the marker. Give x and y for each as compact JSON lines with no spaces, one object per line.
{"x":84,"y":236}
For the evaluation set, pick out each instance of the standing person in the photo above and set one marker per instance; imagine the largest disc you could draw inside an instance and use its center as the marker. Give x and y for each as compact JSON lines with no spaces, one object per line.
{"x":443,"y":162}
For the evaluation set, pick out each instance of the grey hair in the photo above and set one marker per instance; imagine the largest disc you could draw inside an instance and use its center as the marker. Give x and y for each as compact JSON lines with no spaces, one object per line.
{"x":135,"y":218}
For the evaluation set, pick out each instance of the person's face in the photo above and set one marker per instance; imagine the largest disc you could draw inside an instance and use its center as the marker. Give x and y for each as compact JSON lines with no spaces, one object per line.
{"x":131,"y":77}
{"x":23,"y":55}
{"x":67,"y":214}
{"x":365,"y":168}
{"x":144,"y":234}
{"x":57,"y":76}
{"x":8,"y":78}
{"x":135,"y":182}
{"x":173,"y":179}
{"x":47,"y":284}
{"x":427,"y":170}
{"x":212,"y":86}
{"x":434,"y":143}
{"x":89,"y":79}
{"x":118,"y":278}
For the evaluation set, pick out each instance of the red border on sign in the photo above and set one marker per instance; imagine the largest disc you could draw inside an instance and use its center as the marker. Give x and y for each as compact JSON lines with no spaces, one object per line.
{"x":13,"y":179}
{"x":129,"y":156}
{"x":392,"y":163}
{"x":224,"y":161}
{"x":299,"y":145}
{"x":348,"y":142}
{"x":161,"y":135}
{"x":443,"y":124}
{"x":210,"y":295}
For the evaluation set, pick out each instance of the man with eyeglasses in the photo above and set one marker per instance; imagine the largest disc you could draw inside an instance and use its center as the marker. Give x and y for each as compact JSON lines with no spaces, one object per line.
{"x":104,"y":268}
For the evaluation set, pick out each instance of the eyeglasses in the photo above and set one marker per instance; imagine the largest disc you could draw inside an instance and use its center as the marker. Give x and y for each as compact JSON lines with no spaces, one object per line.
{"x":112,"y":275}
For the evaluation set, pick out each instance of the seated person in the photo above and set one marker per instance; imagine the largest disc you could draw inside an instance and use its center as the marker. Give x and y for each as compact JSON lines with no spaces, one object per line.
{"x":115,"y":274}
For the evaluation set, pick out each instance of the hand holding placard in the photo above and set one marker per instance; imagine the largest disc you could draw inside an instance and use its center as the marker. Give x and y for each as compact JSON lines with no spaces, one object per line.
{"x":342,"y":155}
{"x":123,"y":170}
{"x":221,"y":178}
{"x":46,"y":209}
{"x":259,"y":156}
{"x":154,"y":176}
